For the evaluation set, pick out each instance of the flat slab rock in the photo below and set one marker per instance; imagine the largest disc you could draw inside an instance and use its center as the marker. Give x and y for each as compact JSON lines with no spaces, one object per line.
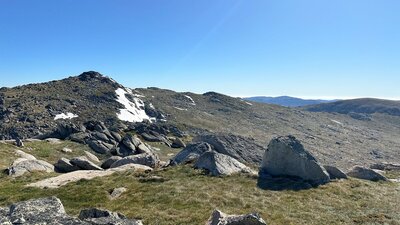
{"x":61,"y":180}
{"x":51,"y":211}
{"x":220,"y":218}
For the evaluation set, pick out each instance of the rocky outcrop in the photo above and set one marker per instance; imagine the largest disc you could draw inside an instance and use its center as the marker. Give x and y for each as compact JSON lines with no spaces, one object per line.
{"x":51,"y":211}
{"x":191,"y":153}
{"x":286,"y":156}
{"x":217,"y":164}
{"x":335,"y":173}
{"x":220,"y":218}
{"x":365,"y":174}
{"x":142,"y":159}
{"x":22,"y":165}
{"x":63,"y":165}
{"x":84,"y":163}
{"x":246,"y":150}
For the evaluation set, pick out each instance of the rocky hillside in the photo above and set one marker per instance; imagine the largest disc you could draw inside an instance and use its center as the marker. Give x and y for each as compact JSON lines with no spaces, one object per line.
{"x":36,"y":110}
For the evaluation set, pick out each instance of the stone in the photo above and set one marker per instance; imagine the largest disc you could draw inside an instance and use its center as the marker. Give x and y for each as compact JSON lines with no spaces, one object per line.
{"x":64,"y":179}
{"x":84,"y":163}
{"x":108,"y":162}
{"x":92,"y":157}
{"x":53,"y":140}
{"x":335,"y":173}
{"x":220,"y":218}
{"x":116,"y":136}
{"x":178,"y":143}
{"x":386,"y":166}
{"x":19,"y":143}
{"x":99,"y":146}
{"x":66,"y":150}
{"x":150,"y":160}
{"x":286,"y":156}
{"x":25,"y":155}
{"x":246,"y":150}
{"x":117,"y":192}
{"x":64,"y":166}
{"x":100,"y":216}
{"x":143,"y":148}
{"x":21,"y":166}
{"x":219,"y":164}
{"x":365,"y":174}
{"x":191,"y":153}
{"x":80,"y":137}
{"x":131,"y":142}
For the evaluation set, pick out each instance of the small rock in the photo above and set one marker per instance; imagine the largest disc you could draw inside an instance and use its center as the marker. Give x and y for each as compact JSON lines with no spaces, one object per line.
{"x":19,"y":143}
{"x":117,"y":192}
{"x":220,"y":218}
{"x":53,"y":140}
{"x":365,"y":174}
{"x":92,"y":157}
{"x":178,"y":143}
{"x":335,"y":173}
{"x":84,"y":163}
{"x":66,"y":150}
{"x":63,"y":165}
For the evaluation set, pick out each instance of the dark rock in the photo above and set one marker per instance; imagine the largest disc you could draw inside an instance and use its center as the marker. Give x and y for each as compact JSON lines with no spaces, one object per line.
{"x":19,"y":143}
{"x":85,"y":164}
{"x":178,"y":143}
{"x":108,"y":162}
{"x":220,"y":218}
{"x":386,"y":166}
{"x":286,"y":156}
{"x":365,"y":174}
{"x":64,"y":166}
{"x":105,"y":217}
{"x":80,"y":137}
{"x":335,"y":173}
{"x":150,"y":160}
{"x":99,"y":146}
{"x":191,"y":153}
{"x":116,"y":136}
{"x":243,"y":149}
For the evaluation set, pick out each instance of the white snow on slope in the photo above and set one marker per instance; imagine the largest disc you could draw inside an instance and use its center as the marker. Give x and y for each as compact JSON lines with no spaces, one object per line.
{"x":65,"y":116}
{"x":133,"y":111}
{"x":191,"y":99}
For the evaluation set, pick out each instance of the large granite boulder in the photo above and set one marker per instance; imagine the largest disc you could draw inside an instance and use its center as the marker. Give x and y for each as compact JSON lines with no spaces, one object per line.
{"x":220,"y":218}
{"x":51,"y":211}
{"x":108,"y":162}
{"x":286,"y":156}
{"x":246,"y":150}
{"x":84,"y":163}
{"x":219,"y":164}
{"x":22,"y":165}
{"x":191,"y":153}
{"x":150,"y":160}
{"x":63,"y":165}
{"x":365,"y":174}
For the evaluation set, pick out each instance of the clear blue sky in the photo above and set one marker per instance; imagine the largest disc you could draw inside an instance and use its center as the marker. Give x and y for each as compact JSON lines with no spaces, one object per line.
{"x":307,"y":48}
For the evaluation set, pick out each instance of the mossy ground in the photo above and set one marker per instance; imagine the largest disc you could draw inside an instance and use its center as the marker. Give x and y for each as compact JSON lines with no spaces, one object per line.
{"x":188,"y":196}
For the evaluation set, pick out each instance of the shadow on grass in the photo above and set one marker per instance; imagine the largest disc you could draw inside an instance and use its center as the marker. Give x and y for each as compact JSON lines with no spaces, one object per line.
{"x":282,"y":183}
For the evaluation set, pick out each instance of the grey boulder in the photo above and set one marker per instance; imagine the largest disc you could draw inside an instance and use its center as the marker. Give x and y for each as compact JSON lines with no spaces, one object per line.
{"x":84,"y":163}
{"x":150,"y":160}
{"x":386,"y":166}
{"x":244,"y":149}
{"x":178,"y":143}
{"x":21,"y":166}
{"x":365,"y":174}
{"x":104,"y":217}
{"x":220,"y":218}
{"x":286,"y":156}
{"x":191,"y":153}
{"x":63,"y":165}
{"x":219,"y":164}
{"x":108,"y":162}
{"x":335,"y":173}
{"x":100,"y":147}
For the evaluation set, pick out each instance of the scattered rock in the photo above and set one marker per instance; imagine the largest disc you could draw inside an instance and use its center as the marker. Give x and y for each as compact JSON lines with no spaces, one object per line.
{"x":117,"y":192}
{"x":241,"y":148}
{"x":156,"y":179}
{"x":335,"y":173}
{"x":25,"y":155}
{"x":53,"y":140}
{"x":386,"y":166}
{"x":143,"y":159}
{"x":84,"y":163}
{"x":66,"y":150}
{"x":63,"y":179}
{"x":219,"y":164}
{"x":99,"y":146}
{"x":63,"y":165}
{"x":286,"y":156}
{"x":103,"y":217}
{"x":220,"y":218}
{"x":80,"y":137}
{"x":108,"y":162}
{"x":365,"y":174}
{"x":191,"y":153}
{"x":178,"y":143}
{"x":21,"y":166}
{"x":19,"y":143}
{"x":92,"y":157}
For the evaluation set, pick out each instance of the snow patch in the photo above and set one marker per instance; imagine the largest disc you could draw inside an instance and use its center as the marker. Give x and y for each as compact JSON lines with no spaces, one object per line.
{"x":133,"y":111}
{"x":65,"y":116}
{"x":191,"y":99}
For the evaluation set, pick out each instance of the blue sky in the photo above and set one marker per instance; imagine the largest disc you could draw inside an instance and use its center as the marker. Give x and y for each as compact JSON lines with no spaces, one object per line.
{"x":308,"y":48}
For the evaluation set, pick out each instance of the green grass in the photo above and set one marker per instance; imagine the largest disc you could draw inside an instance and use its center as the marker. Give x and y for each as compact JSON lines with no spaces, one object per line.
{"x":188,"y":197}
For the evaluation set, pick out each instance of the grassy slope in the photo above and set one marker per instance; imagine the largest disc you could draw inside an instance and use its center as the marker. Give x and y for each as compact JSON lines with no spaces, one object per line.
{"x":188,"y":197}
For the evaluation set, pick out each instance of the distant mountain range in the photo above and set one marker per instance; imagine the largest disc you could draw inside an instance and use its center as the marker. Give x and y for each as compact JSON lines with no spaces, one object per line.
{"x":287,"y":101}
